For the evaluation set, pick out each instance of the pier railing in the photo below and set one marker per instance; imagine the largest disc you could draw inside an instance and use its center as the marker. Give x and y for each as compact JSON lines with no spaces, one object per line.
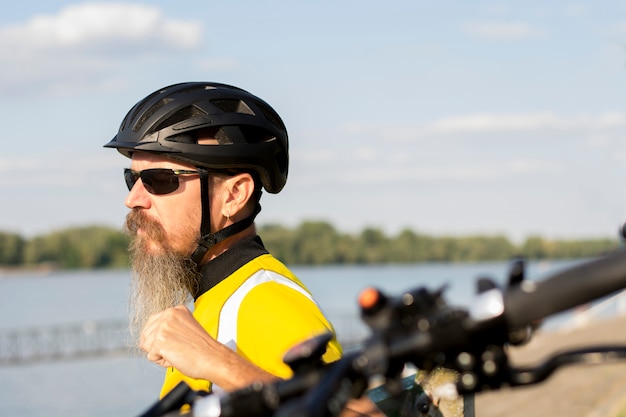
{"x":105,"y":338}
{"x":62,"y":342}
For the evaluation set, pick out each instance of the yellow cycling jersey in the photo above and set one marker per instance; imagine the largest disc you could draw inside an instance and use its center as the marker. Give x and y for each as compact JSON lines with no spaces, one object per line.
{"x":260,"y":310}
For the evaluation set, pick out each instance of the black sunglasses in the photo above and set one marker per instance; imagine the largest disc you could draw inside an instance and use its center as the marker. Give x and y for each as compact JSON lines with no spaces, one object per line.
{"x":157,"y":181}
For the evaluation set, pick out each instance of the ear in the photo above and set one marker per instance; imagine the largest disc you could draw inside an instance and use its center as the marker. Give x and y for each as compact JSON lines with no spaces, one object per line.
{"x":239,"y":191}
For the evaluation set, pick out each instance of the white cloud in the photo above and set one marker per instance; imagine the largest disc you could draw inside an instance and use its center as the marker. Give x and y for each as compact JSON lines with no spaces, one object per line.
{"x":620,"y":156}
{"x":502,"y":31}
{"x":600,"y":140}
{"x":11,"y":165}
{"x":88,"y":24}
{"x":85,"y":43}
{"x":482,"y":122}
{"x":366,"y":153}
{"x":491,"y":123}
{"x":476,"y":172}
{"x":533,"y":166}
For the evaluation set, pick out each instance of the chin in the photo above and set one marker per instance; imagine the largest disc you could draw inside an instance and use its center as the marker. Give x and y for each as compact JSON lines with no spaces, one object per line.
{"x":149,"y":246}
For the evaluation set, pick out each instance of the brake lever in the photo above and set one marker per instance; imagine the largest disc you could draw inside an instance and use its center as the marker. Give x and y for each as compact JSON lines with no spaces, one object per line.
{"x":590,"y":356}
{"x":493,"y":372}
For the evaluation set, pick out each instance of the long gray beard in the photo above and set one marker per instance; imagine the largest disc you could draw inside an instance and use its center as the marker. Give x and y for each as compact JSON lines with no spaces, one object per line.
{"x":159,"y":281}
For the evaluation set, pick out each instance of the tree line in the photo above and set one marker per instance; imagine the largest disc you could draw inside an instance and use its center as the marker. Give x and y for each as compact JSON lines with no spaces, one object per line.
{"x":310,"y":243}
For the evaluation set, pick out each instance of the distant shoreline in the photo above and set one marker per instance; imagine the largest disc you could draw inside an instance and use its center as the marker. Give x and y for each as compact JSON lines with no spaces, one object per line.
{"x":17,"y":270}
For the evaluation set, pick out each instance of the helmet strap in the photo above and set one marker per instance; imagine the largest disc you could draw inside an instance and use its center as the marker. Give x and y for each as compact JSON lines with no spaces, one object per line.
{"x":207,"y":239}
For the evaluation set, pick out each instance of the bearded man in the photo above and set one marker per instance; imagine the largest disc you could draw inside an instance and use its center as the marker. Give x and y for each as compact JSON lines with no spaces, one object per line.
{"x":201,"y":154}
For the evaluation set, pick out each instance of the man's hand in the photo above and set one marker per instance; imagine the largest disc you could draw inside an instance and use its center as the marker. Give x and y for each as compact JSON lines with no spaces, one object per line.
{"x":175,"y":338}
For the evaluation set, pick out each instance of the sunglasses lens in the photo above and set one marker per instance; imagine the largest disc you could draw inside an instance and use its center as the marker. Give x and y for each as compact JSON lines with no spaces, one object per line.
{"x":156,"y":181}
{"x":159,"y":181}
{"x":130,"y":177}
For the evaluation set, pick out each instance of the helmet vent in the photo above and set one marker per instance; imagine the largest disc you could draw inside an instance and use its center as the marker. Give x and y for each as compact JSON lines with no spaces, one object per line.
{"x":181,"y":115}
{"x":254,"y":134}
{"x":148,"y":113}
{"x":132,"y":115}
{"x":271,"y":116}
{"x":232,"y":106}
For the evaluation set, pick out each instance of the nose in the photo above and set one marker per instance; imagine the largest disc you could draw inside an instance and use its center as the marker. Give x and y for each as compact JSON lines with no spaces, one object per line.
{"x":138,"y":196}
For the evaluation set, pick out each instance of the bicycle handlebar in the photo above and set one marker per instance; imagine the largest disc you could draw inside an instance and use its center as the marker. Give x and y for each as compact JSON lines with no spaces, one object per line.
{"x":579,"y":285}
{"x":418,"y":327}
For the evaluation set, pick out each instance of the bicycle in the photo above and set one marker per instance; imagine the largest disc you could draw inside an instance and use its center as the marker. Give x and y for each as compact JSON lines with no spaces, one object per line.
{"x":419,"y":328}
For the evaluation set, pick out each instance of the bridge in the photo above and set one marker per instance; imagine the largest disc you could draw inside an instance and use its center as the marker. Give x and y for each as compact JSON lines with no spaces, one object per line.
{"x":63,"y":342}
{"x":105,"y":338}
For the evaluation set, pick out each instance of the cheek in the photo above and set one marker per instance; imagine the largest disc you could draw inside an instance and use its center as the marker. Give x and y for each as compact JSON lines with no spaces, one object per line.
{"x":183,"y":227}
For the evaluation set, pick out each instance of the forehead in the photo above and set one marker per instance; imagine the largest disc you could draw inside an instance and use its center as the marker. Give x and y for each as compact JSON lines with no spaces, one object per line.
{"x":144,"y":159}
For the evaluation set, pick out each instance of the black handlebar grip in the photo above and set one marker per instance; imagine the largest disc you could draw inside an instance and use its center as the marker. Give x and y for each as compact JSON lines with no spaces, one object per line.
{"x":531,"y":301}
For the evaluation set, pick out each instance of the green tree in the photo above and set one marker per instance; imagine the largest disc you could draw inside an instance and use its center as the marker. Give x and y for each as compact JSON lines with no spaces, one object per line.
{"x":11,"y":249}
{"x":410,"y":247}
{"x":474,"y":248}
{"x":82,"y":247}
{"x":536,"y":247}
{"x":373,"y":246}
{"x":279,"y":240}
{"x":315,"y":243}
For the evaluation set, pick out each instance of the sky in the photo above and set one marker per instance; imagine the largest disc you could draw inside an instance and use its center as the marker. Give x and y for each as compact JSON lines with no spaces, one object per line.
{"x":446,"y":118}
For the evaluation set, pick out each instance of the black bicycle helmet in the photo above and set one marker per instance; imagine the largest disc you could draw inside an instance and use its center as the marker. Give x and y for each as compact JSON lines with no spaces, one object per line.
{"x":251,"y":135}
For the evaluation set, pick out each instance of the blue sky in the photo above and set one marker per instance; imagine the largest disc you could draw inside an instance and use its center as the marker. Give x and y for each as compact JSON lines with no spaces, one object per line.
{"x":449,"y":118}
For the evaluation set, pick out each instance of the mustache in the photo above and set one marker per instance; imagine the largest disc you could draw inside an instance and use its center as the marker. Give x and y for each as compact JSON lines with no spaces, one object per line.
{"x":137,"y":219}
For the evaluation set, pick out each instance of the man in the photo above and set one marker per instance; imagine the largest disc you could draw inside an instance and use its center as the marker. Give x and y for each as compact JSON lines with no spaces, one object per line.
{"x":201,"y":153}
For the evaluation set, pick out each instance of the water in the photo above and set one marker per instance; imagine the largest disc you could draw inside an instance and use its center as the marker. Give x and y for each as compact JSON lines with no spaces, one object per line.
{"x":126,"y":386}
{"x":103,"y":387}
